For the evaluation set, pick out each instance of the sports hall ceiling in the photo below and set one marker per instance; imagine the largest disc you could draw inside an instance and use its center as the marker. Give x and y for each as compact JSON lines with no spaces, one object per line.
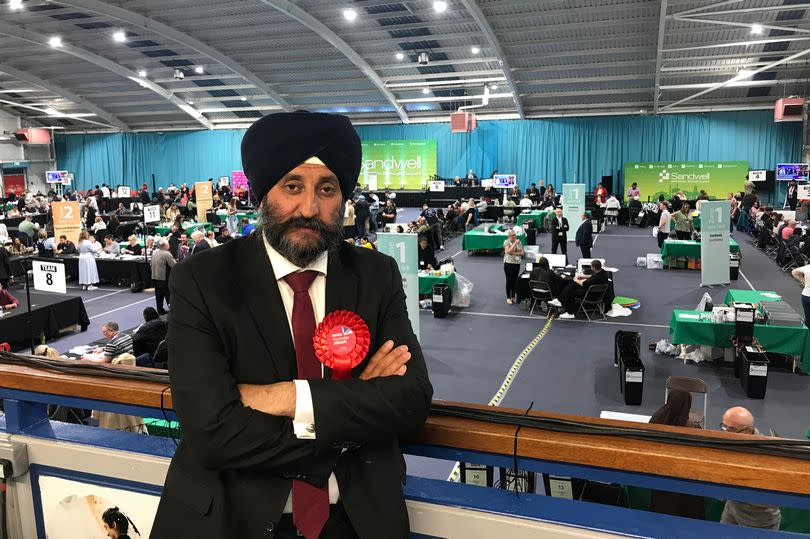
{"x":88,"y":65}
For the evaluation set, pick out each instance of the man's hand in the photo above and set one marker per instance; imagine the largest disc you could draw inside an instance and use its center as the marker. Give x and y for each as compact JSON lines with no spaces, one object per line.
{"x":388,"y":361}
{"x":275,"y":399}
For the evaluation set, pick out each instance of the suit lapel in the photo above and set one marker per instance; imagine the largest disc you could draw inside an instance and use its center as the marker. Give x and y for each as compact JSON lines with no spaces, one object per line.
{"x":266,"y":307}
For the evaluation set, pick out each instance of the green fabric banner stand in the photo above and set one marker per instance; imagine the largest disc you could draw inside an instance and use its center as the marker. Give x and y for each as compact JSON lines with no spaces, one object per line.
{"x":403,"y":248}
{"x":714,"y":237}
{"x":573,"y":206}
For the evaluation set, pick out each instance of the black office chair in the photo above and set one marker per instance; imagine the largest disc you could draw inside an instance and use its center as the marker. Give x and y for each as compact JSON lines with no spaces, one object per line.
{"x":593,"y":302}
{"x":541,"y":293}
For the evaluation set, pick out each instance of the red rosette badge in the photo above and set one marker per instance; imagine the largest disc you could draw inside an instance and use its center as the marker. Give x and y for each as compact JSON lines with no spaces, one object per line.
{"x":341,"y":342}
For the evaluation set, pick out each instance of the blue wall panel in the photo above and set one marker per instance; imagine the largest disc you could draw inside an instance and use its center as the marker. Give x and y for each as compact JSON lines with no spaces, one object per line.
{"x":554,"y":149}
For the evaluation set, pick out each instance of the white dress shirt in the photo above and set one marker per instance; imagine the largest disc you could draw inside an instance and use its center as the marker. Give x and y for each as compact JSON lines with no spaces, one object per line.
{"x":304,"y":420}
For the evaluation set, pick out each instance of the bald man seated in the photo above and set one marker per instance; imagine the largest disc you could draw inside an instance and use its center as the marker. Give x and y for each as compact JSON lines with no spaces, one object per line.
{"x":769,"y":517}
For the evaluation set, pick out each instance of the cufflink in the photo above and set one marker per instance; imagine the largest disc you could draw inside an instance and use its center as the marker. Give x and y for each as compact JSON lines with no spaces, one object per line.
{"x":311,"y":428}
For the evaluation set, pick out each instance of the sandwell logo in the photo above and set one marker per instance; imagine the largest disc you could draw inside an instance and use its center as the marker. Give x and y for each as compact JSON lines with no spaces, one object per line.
{"x":663,"y":176}
{"x":392,"y":164}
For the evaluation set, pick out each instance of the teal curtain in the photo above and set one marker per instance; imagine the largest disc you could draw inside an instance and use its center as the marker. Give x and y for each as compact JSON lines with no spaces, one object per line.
{"x":556,"y":150}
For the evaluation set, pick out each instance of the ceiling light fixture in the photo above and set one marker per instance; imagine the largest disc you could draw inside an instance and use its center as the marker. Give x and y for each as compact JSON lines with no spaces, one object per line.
{"x":142,"y":73}
{"x":14,"y":5}
{"x":439,"y":6}
{"x":475,"y":50}
{"x":243,"y":98}
{"x":493,"y":87}
{"x":190,"y":101}
{"x":756,"y":29}
{"x":425,"y":91}
{"x":400,"y":56}
{"x":349,"y":14}
{"x":55,"y":42}
{"x":199,"y":70}
{"x":120,"y":36}
{"x":50,"y":111}
{"x":744,"y":74}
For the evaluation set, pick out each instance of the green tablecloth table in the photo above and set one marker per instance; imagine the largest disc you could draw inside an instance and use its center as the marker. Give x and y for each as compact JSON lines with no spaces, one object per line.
{"x":538,"y":216}
{"x":750,"y":296}
{"x":790,"y":340}
{"x":188,"y":226}
{"x":689,"y":248}
{"x":426,"y":282}
{"x":241,"y":215}
{"x":481,"y":238}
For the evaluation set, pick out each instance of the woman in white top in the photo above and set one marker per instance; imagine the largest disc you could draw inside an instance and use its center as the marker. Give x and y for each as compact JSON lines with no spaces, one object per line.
{"x":802,"y":275}
{"x":612,"y":206}
{"x":512,"y":254}
{"x":99,"y":224}
{"x":88,"y":271}
{"x":664,"y":223}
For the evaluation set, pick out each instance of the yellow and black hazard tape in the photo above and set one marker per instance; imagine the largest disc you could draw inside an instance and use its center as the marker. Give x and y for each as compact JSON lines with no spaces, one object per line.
{"x":510,"y":376}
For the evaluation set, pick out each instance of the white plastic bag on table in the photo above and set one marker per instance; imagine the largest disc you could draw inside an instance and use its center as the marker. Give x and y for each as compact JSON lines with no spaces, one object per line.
{"x":462,"y":292}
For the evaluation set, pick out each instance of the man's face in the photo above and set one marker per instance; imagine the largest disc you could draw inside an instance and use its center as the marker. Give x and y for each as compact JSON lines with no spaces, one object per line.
{"x":301,"y":216}
{"x":558,"y":211}
{"x":183,"y":239}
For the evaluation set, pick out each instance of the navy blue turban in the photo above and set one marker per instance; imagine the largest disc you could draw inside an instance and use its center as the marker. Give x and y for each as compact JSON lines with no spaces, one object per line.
{"x":277,"y":143}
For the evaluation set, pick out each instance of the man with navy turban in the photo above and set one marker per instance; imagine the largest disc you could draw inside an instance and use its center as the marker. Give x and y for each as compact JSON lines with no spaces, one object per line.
{"x":274,"y":445}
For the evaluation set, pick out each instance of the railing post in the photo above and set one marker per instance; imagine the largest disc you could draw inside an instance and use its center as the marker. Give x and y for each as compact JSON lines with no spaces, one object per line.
{"x":20,"y":415}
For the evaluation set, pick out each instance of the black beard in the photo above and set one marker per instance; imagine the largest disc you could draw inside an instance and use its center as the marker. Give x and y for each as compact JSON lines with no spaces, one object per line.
{"x":276,"y":231}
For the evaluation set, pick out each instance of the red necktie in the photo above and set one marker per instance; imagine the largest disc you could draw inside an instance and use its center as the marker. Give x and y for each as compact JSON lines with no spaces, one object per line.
{"x":310,"y":503}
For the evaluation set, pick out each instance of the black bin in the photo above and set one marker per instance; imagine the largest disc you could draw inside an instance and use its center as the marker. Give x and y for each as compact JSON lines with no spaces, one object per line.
{"x":631,"y":371}
{"x":754,"y":372}
{"x":734,"y":266}
{"x":442,"y":297}
{"x":627,"y":344}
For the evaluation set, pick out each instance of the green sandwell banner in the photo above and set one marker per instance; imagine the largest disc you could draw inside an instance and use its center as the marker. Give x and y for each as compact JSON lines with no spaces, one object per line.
{"x":398,"y":163}
{"x":717,"y":178}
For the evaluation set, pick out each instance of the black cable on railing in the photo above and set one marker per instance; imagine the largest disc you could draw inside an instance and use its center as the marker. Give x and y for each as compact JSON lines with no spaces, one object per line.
{"x":775,"y":447}
{"x":72,"y":366}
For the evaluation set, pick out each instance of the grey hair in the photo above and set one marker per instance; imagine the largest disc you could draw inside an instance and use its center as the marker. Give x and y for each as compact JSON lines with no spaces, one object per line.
{"x":112,"y":325}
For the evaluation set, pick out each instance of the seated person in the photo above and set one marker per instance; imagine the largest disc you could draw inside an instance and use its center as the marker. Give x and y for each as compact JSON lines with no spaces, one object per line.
{"x":147,"y":337}
{"x":133,"y":248}
{"x":117,"y":344}
{"x":509,"y":210}
{"x":224,"y":236}
{"x":363,"y":242}
{"x":111,"y":247}
{"x":247,"y":228}
{"x":427,"y":257}
{"x":7,"y":301}
{"x":576,"y":289}
{"x":526,"y":202}
{"x":45,"y":245}
{"x":542,"y":272}
{"x":65,"y":246}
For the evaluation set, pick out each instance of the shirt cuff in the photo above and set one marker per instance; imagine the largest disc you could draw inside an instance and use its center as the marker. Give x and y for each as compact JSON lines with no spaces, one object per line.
{"x":304,"y":420}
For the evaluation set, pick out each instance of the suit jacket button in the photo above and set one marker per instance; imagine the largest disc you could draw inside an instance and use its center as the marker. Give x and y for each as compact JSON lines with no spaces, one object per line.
{"x":271,"y":528}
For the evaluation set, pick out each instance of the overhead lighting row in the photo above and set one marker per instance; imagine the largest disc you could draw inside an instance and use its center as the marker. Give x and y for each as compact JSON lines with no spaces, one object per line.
{"x":439,"y":6}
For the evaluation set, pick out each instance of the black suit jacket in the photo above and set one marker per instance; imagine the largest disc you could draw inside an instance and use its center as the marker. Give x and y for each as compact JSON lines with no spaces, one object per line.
{"x":199,"y":247}
{"x":233,"y":470}
{"x":584,"y":236}
{"x":556,"y":228}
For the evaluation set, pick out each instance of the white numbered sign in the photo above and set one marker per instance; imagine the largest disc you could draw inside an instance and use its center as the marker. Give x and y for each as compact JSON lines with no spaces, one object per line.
{"x":49,"y":276}
{"x":151,"y":214}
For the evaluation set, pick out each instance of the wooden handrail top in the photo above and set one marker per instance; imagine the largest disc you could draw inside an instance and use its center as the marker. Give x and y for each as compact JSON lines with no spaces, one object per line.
{"x":784,"y":474}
